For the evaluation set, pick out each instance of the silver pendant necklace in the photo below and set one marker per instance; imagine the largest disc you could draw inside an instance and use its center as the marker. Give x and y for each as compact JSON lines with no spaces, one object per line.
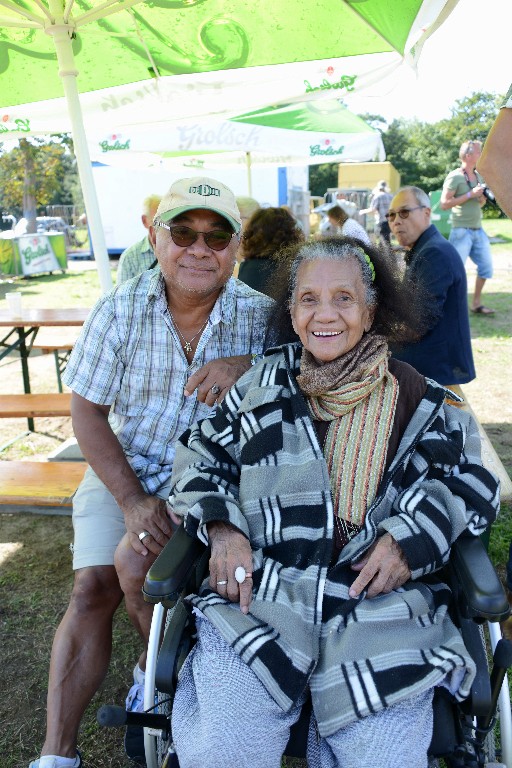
{"x":187,"y":345}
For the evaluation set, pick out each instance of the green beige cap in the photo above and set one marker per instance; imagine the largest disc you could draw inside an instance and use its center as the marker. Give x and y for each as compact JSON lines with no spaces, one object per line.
{"x":200,"y":192}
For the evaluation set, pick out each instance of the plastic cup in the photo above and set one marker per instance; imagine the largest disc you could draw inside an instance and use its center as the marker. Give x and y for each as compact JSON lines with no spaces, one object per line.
{"x":14,"y":303}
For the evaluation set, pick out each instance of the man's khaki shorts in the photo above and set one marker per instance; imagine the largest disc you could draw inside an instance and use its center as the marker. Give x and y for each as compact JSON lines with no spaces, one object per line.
{"x":98,"y":522}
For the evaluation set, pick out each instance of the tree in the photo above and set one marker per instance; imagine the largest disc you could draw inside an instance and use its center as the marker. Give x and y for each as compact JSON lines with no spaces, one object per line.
{"x":36,"y":174}
{"x":377,"y":122}
{"x":321,"y":177}
{"x":424,"y":153}
{"x":28,"y":153}
{"x":472,"y":117}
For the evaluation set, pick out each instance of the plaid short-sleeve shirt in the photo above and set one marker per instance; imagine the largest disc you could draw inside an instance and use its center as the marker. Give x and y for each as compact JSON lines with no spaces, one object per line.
{"x":129,"y":356}
{"x":135,"y":260}
{"x":380,"y":203}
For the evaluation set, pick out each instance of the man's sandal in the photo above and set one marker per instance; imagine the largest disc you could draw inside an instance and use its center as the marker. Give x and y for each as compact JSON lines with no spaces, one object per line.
{"x":481,"y":310}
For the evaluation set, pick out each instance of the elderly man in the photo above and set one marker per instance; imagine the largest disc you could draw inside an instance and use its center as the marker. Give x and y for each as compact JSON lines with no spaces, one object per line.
{"x":463,"y":193}
{"x":444,"y":353}
{"x":140,"y":255}
{"x":155,"y":355}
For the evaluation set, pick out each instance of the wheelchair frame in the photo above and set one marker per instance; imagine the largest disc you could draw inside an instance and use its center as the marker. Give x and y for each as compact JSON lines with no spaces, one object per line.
{"x":478,"y":597}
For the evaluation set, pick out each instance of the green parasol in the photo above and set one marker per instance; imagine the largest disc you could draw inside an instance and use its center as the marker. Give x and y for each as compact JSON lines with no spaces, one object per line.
{"x":106,"y":43}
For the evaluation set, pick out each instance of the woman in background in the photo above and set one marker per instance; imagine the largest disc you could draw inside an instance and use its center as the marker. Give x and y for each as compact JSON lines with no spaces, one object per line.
{"x":267,"y":231}
{"x":345,"y":225}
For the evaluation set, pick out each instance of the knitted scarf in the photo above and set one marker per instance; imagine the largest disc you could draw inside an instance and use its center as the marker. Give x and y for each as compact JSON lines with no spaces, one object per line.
{"x":358,"y":395}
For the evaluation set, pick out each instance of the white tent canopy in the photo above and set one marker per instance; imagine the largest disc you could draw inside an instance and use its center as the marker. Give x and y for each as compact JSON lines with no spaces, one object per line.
{"x":297,"y":134}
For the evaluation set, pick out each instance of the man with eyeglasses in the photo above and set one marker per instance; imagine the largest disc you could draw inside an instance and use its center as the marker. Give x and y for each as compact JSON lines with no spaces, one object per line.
{"x":155,"y":355}
{"x":463,"y":194}
{"x":444,"y":353}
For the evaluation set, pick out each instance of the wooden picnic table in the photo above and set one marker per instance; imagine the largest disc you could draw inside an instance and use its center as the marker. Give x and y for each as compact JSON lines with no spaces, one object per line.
{"x":24,"y":329}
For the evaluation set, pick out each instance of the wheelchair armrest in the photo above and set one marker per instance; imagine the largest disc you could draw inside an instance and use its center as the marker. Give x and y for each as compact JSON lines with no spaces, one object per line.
{"x":169,"y":573}
{"x":478,"y":582}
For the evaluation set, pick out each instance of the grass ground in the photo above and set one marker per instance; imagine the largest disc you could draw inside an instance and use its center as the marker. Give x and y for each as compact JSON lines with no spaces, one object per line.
{"x":35,"y":576}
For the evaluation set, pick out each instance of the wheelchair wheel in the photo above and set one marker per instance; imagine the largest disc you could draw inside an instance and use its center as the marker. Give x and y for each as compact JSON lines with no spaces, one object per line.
{"x":489,"y":748}
{"x":503,"y":713}
{"x":490,"y":739}
{"x":156,"y":745}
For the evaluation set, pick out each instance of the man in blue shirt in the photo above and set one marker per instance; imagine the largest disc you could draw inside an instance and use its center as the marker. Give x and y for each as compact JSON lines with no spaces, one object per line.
{"x":444,"y":353}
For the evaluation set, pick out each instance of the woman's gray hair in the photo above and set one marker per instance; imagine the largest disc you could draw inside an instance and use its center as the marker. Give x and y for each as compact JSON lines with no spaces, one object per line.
{"x":403,"y":308}
{"x":334,"y":251}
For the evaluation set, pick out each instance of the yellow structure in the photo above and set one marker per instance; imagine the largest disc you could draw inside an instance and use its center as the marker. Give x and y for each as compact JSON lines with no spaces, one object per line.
{"x":367,"y":175}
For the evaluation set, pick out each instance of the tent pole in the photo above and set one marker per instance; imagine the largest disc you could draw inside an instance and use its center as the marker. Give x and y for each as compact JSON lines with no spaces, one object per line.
{"x":249,"y":173}
{"x":67,"y":71}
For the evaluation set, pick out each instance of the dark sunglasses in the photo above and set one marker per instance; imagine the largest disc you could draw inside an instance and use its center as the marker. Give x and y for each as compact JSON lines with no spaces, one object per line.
{"x":403,"y":212}
{"x":217,"y":239}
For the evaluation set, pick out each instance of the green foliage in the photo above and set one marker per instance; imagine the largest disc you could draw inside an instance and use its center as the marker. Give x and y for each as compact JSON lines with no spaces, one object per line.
{"x":46,"y":169}
{"x":473,"y":116}
{"x":321,"y":177}
{"x":424,"y":153}
{"x":377,"y":122}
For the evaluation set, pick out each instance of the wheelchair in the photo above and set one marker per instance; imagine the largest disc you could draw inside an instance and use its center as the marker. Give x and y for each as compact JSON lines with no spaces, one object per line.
{"x":464,"y":732}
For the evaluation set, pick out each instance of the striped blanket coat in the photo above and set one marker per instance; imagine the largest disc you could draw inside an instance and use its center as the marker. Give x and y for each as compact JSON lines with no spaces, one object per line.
{"x":258,"y":465}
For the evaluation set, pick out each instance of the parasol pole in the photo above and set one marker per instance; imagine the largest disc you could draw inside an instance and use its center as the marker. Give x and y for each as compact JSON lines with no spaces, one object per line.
{"x":62,"y":34}
{"x":249,"y":173}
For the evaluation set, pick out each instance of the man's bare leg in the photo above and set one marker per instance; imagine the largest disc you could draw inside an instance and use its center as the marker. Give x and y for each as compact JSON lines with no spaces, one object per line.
{"x":477,"y":296}
{"x":80,"y":656}
{"x":131,"y":570}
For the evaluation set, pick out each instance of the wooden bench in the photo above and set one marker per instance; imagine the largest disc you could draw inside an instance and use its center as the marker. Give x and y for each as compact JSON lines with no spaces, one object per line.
{"x":490,"y":458}
{"x":60,"y":347}
{"x":30,"y":406}
{"x":44,"y":487}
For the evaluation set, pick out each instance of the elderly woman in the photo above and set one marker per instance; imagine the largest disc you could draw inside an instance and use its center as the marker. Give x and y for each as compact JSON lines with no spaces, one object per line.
{"x":330,"y":485}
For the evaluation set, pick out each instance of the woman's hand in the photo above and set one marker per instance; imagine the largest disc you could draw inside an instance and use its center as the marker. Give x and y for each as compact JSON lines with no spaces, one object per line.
{"x":230,"y":549}
{"x":382,"y":569}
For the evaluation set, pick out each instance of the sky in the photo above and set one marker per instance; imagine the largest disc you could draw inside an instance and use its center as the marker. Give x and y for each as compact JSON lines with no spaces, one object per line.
{"x":468,"y":53}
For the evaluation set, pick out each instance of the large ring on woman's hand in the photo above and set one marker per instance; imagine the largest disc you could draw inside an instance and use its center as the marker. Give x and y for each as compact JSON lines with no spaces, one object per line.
{"x":223,"y":582}
{"x":240,"y":574}
{"x":215,"y":390}
{"x":143,"y":534}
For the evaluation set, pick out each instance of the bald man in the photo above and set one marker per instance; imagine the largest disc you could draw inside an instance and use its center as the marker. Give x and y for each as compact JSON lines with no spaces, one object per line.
{"x":139,"y":256}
